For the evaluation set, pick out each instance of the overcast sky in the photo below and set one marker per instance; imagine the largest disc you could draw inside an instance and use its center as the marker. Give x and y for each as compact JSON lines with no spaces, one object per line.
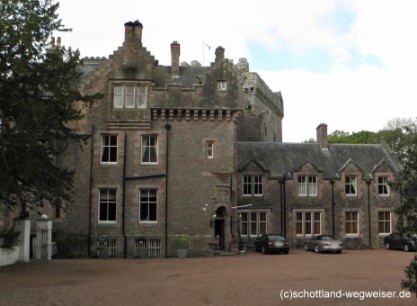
{"x":348,"y":63}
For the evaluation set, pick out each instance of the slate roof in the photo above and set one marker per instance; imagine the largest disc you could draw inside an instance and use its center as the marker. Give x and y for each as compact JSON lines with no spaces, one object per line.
{"x":287,"y":158}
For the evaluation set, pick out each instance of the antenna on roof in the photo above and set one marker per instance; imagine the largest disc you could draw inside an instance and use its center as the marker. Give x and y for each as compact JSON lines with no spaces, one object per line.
{"x":204,"y":47}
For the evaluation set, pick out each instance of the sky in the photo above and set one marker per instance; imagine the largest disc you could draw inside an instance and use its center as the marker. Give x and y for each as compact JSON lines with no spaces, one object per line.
{"x":350,"y":64}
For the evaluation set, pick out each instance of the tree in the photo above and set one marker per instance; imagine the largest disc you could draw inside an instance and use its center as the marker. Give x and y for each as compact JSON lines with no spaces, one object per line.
{"x":406,"y":151}
{"x":407,"y":156}
{"x":38,"y":86}
{"x":354,"y":138}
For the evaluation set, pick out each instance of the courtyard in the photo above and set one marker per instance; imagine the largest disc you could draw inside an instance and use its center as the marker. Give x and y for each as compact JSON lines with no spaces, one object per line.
{"x":355,"y":277}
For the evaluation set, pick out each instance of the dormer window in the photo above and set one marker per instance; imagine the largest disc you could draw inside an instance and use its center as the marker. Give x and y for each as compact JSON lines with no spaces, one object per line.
{"x":221,"y":85}
{"x":252,"y":185}
{"x":350,"y":186}
{"x":129,"y":96}
{"x":307,"y":186}
{"x":383,"y":187}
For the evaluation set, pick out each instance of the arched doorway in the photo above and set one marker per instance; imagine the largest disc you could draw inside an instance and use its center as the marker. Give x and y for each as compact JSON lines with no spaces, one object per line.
{"x":219,"y":227}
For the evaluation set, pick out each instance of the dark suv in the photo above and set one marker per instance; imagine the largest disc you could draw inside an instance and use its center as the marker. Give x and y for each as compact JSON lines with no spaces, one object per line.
{"x":406,"y":242}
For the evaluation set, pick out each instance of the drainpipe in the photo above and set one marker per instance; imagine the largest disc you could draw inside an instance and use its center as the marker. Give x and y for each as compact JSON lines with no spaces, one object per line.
{"x":368,"y":182}
{"x":281,"y":183}
{"x":167,"y":128}
{"x":333,"y":210}
{"x":124,"y":200}
{"x":401,"y":202}
{"x":283,"y":207}
{"x":90,"y":203}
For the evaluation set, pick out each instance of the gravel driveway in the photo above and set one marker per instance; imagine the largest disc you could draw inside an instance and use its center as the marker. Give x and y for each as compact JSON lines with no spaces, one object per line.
{"x":248,"y":279}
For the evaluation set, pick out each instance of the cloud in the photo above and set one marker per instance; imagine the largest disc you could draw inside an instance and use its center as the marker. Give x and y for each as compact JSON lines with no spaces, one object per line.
{"x":347,"y":63}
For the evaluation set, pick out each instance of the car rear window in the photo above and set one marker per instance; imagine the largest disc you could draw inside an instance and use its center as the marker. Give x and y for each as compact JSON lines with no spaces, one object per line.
{"x":276,"y":237}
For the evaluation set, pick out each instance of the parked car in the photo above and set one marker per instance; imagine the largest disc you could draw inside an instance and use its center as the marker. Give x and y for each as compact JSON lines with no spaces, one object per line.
{"x":406,"y":242}
{"x":324,"y":243}
{"x":272,"y":243}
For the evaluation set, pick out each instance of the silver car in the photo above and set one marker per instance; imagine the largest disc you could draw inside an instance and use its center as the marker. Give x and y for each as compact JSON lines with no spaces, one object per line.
{"x":324,"y":243}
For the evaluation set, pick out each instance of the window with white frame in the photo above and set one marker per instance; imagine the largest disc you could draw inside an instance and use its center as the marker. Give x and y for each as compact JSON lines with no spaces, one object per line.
{"x":108,"y":149}
{"x":253,"y":223}
{"x":383,"y":187}
{"x":350,"y":185}
{"x":221,"y":85}
{"x":107,"y":206}
{"x":252,"y":185}
{"x":147,"y":206}
{"x":384,"y":222}
{"x":210,"y":149}
{"x":308,"y":223}
{"x":129,"y":96}
{"x":307,"y":185}
{"x":351,"y":223}
{"x":148,"y":248}
{"x":302,"y":186}
{"x":149,"y":149}
{"x":312,"y":185}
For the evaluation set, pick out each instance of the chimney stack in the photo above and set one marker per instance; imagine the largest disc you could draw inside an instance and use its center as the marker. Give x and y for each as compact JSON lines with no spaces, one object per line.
{"x":219,"y":54}
{"x":133,"y":41}
{"x":133,"y":33}
{"x":322,"y":136}
{"x":175,"y":59}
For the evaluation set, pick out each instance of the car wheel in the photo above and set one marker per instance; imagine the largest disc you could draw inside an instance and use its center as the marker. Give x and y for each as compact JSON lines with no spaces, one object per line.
{"x":286,"y":252}
{"x":316,"y":249}
{"x":306,"y":247}
{"x":263,"y":250}
{"x":338,"y":252}
{"x":387,"y":246}
{"x":406,"y":248}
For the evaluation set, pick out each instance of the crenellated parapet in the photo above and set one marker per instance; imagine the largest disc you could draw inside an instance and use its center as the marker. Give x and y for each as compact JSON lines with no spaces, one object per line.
{"x":194,"y":114}
{"x":253,"y":84}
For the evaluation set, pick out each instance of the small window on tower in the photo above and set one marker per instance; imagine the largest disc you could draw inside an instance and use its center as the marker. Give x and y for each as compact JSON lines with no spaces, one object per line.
{"x":210,"y":149}
{"x":221,"y":85}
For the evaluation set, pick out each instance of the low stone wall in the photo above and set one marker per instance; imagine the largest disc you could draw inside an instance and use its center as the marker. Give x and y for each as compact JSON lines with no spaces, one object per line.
{"x":9,"y":257}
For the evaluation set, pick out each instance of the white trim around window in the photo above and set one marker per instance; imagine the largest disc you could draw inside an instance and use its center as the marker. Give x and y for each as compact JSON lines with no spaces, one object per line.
{"x":129,"y":95}
{"x":148,"y":205}
{"x":252,"y":185}
{"x":352,"y":228}
{"x":107,"y":206}
{"x":253,"y":223}
{"x":351,"y":186}
{"x":384,"y":222}
{"x":307,"y":185}
{"x":149,"y":150}
{"x":108,"y":149}
{"x":308,"y":223}
{"x":383,"y":187}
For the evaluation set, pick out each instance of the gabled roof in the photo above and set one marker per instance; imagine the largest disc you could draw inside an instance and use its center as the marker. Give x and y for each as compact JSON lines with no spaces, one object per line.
{"x":286,"y":158}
